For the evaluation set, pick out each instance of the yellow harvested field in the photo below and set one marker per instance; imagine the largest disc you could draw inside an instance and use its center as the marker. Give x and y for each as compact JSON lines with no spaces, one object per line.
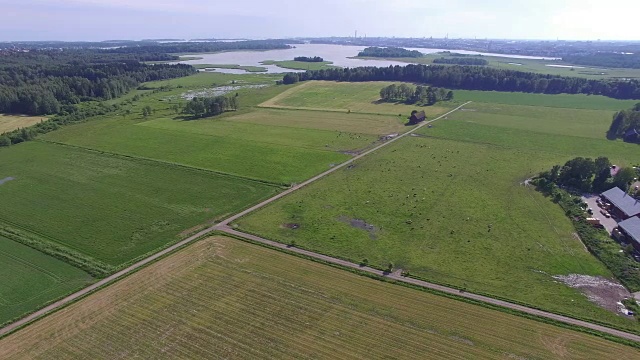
{"x":223,"y":298}
{"x":359,"y":97}
{"x":12,"y":122}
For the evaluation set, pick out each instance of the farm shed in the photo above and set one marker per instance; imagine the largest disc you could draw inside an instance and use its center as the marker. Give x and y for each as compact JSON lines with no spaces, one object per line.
{"x":631,"y":229}
{"x":416,"y":117}
{"x":624,"y":205}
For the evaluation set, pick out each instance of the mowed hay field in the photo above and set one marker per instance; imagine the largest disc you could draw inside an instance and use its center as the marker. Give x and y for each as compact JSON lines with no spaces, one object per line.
{"x":10,"y":122}
{"x":111,"y":208}
{"x":223,"y":298}
{"x":448,"y":205}
{"x":30,"y":278}
{"x":361,"y":97}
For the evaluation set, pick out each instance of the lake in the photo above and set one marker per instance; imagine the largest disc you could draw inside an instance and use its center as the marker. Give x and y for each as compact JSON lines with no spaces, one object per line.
{"x":338,"y":54}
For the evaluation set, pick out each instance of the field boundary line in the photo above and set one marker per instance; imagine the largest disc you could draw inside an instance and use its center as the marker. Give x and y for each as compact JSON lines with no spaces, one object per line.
{"x":220,"y":226}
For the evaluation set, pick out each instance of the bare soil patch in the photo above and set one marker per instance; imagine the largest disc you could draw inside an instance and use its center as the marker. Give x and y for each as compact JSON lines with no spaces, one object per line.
{"x":361,"y":224}
{"x":602,"y":291}
{"x":291,"y":226}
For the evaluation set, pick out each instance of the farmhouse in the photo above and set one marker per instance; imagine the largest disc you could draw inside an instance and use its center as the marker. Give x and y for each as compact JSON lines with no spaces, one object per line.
{"x":622,"y":204}
{"x":631,"y":230}
{"x":417,"y":117}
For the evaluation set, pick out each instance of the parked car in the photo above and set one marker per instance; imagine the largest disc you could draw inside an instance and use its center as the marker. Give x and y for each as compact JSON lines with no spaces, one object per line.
{"x":590,"y":211}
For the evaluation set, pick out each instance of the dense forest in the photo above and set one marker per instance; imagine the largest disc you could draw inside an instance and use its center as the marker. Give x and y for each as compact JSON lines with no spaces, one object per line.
{"x":626,"y":125}
{"x":210,"y":106}
{"x":38,"y":89}
{"x":476,"y":78}
{"x":389,"y":52}
{"x":608,"y":59}
{"x":308,"y":59}
{"x":461,"y":61}
{"x":420,"y":95}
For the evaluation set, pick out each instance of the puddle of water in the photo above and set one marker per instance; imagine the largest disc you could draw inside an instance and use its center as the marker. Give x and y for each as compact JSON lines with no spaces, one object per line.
{"x":7,"y":179}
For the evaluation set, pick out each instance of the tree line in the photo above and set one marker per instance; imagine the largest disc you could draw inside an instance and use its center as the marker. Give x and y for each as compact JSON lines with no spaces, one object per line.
{"x":626,"y":125}
{"x":460,"y":61}
{"x":210,"y":106}
{"x":588,"y":175}
{"x":389,"y":52}
{"x":421,"y":95}
{"x":605,"y":59}
{"x":308,"y":59}
{"x":476,"y":78}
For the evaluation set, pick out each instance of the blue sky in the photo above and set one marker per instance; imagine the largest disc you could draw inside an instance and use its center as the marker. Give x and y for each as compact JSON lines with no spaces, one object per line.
{"x":138,"y":19}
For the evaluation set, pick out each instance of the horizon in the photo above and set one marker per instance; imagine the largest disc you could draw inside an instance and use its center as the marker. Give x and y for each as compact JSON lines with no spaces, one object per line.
{"x":99,"y":20}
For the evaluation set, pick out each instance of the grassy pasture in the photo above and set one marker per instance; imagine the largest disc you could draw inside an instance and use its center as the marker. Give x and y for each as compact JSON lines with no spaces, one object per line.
{"x":356,"y":97}
{"x":267,"y":159}
{"x":30,"y":278}
{"x":563,"y":147}
{"x":320,"y":120}
{"x":570,"y":101}
{"x":10,"y":122}
{"x":299,"y":65}
{"x":112,"y":208}
{"x":223,"y":298}
{"x":257,"y":132}
{"x":560,"y":121}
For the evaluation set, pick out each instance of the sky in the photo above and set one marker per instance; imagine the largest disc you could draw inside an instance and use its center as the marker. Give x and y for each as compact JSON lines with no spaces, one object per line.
{"x":93,"y":20}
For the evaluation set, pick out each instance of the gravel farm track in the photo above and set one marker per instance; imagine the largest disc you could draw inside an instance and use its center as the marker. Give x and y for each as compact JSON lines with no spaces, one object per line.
{"x":224,"y":227}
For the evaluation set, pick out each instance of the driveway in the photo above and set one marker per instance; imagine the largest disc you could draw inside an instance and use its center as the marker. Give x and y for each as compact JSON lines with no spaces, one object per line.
{"x":609,"y":223}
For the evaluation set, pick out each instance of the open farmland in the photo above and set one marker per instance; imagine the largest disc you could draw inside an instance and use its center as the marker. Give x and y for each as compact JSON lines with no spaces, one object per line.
{"x":227,"y":299}
{"x":278,"y":146}
{"x":110,"y":208}
{"x":30,"y":278}
{"x":359,"y":97}
{"x":12,"y":122}
{"x":449,"y":206}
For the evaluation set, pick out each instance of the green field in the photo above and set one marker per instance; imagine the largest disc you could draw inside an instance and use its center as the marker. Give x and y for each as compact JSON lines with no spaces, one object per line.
{"x":111,"y":208}
{"x":10,"y":122}
{"x":299,"y":65}
{"x":448,"y":205}
{"x":344,"y":97}
{"x":569,"y":101}
{"x":570,"y":122}
{"x":30,"y":278}
{"x":222,"y":298}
